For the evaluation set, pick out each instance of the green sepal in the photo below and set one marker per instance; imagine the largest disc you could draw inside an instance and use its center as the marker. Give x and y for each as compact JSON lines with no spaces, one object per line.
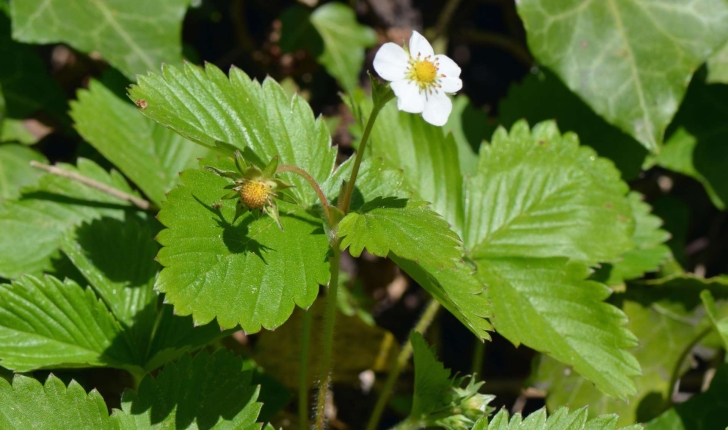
{"x":381,"y":92}
{"x":253,"y":173}
{"x":240,"y":162}
{"x":285,"y":197}
{"x":231,"y":195}
{"x":272,"y":211}
{"x":225,"y":148}
{"x":240,"y":210}
{"x":224,"y":173}
{"x":281,"y":184}
{"x":270,"y":169}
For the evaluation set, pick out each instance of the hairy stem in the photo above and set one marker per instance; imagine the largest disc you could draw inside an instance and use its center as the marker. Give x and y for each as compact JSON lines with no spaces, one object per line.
{"x":305,"y":175}
{"x":136,"y":201}
{"x":404,"y":355}
{"x":478,"y":354}
{"x":327,"y":344}
{"x":303,"y":371}
{"x":346,"y":200}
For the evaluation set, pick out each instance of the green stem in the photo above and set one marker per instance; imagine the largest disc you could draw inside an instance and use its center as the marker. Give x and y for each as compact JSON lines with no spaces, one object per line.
{"x":303,"y":371}
{"x":408,"y":424}
{"x":404,"y":355}
{"x":478,"y":355}
{"x":344,"y":203}
{"x":316,"y":187}
{"x":327,"y":344}
{"x":683,"y":356}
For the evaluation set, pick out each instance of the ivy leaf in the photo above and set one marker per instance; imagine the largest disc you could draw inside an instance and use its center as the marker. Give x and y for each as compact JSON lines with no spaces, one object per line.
{"x":49,"y":324}
{"x":539,"y":194}
{"x":428,"y":158}
{"x":207,"y":107}
{"x":134,"y":36}
{"x":561,"y":418}
{"x":571,"y":114}
{"x":646,"y":50}
{"x":44,"y":213}
{"x":26,"y":85}
{"x":703,"y":412}
{"x":696,"y":147}
{"x":650,"y":250}
{"x":548,"y":305}
{"x":15,"y":170}
{"x":668,"y":319}
{"x":249,"y":273}
{"x":207,"y":391}
{"x":408,"y":229}
{"x":344,"y":42}
{"x":149,"y":154}
{"x":28,"y":404}
{"x":121,"y":269}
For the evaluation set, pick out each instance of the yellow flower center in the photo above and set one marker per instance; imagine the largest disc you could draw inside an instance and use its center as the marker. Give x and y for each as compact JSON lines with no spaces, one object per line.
{"x":254,"y":194}
{"x":423,"y":71}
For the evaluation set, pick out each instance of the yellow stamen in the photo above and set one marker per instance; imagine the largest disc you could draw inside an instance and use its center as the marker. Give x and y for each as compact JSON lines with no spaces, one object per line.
{"x":425,"y":72}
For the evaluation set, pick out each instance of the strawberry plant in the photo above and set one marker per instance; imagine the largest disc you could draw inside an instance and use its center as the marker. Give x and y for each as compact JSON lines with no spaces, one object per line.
{"x":366,"y":214}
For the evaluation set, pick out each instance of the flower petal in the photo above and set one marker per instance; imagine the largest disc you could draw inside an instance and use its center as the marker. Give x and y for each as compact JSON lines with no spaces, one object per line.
{"x":437,"y":109}
{"x":409,"y":98}
{"x":451,"y":85}
{"x":418,"y":45}
{"x":447,"y":66}
{"x":391,"y":62}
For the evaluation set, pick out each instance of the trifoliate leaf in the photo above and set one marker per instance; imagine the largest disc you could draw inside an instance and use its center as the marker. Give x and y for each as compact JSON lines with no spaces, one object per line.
{"x":134,"y":36}
{"x":560,"y":419}
{"x":428,"y":158}
{"x":539,"y":194}
{"x":207,"y":107}
{"x":26,"y":85}
{"x":207,"y":391}
{"x":696,"y":147}
{"x":15,"y":170}
{"x":547,"y":305}
{"x":631,"y":64}
{"x":27,"y":404}
{"x":250,"y":272}
{"x":650,"y":250}
{"x":702,"y":412}
{"x":46,"y":212}
{"x":408,"y":229}
{"x":147,"y":153}
{"x":344,"y":42}
{"x":117,"y":259}
{"x":668,"y":320}
{"x":525,"y":101}
{"x":46,"y":323}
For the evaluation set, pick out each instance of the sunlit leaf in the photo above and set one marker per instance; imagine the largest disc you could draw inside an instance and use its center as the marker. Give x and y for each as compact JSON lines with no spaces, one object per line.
{"x":15,"y":169}
{"x":560,"y":419}
{"x":718,"y":66}
{"x":134,"y":36}
{"x":149,"y":154}
{"x":29,"y":404}
{"x":628,"y":59}
{"x":207,"y":391}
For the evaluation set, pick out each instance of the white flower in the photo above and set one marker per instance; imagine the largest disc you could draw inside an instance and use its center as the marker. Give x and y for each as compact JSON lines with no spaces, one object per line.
{"x":420,"y":79}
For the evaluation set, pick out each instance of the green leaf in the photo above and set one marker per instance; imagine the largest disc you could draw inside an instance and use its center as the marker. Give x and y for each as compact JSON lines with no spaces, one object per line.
{"x":720,"y":325}
{"x":718,"y":66}
{"x":28,"y":404}
{"x":650,"y":250}
{"x":668,"y":319}
{"x":696,"y":146}
{"x":250,"y":273}
{"x":561,"y":419}
{"x":49,"y":324}
{"x":13,"y":130}
{"x":428,"y":158}
{"x":15,"y":170}
{"x":525,"y":101}
{"x":703,"y":412}
{"x":117,"y":259}
{"x":134,"y":36}
{"x":470,"y":128}
{"x":431,"y":378}
{"x":207,"y":391}
{"x":375,"y":179}
{"x":628,"y":59}
{"x":44,"y":213}
{"x":539,"y":194}
{"x":207,"y":107}
{"x":344,"y":42}
{"x":149,"y":154}
{"x":408,"y":229}
{"x":26,"y":85}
